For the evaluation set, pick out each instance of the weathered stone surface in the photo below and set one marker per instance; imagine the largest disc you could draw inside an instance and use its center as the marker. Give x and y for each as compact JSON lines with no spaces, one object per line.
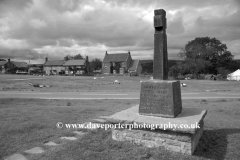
{"x":160,"y":98}
{"x":189,"y":116}
{"x":155,"y":139}
{"x":79,"y":133}
{"x":35,"y":150}
{"x":160,"y":12}
{"x":160,"y":60}
{"x":50,"y":143}
{"x":16,"y":157}
{"x":69,"y":138}
{"x":197,"y":136}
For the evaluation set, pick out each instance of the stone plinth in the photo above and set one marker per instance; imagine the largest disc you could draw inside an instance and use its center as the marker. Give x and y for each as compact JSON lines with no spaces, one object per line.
{"x":182,"y":134}
{"x":160,"y":98}
{"x":174,"y":141}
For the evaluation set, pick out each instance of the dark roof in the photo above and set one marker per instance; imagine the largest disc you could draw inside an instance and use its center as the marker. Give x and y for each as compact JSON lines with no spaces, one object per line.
{"x":35,"y":65}
{"x":79,"y":62}
{"x":54,"y":63}
{"x":134,"y":65}
{"x":146,"y":61}
{"x":20,"y":64}
{"x":119,"y":57}
{"x":34,"y":68}
{"x":2,"y":62}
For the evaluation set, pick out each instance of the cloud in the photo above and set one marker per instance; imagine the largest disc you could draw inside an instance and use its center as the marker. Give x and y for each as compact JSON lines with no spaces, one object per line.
{"x":21,"y":54}
{"x":6,"y":5}
{"x":90,"y":27}
{"x":175,"y":25}
{"x":37,"y":23}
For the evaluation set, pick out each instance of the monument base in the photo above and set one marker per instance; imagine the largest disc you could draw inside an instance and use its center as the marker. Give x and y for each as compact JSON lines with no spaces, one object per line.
{"x":160,"y":98}
{"x":174,"y":141}
{"x":180,"y":134}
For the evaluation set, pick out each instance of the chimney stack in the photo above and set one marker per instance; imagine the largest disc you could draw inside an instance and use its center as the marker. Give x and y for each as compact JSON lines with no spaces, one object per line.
{"x":9,"y":60}
{"x":46,"y":59}
{"x":106,"y":53}
{"x":87,"y":58}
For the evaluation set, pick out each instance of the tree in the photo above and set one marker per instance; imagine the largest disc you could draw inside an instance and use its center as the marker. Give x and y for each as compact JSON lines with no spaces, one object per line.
{"x":2,"y":59}
{"x":147,"y":67}
{"x":206,"y":55}
{"x":69,"y":57}
{"x":78,"y":56}
{"x":223,"y":72}
{"x":174,"y":71}
{"x":96,"y":64}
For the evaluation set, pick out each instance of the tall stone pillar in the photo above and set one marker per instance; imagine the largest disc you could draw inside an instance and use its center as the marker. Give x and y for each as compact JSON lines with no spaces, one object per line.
{"x":160,"y":61}
{"x":160,"y":97}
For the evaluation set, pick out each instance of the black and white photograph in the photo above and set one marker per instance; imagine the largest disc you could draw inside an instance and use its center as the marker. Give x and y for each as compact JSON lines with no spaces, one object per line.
{"x":119,"y":79}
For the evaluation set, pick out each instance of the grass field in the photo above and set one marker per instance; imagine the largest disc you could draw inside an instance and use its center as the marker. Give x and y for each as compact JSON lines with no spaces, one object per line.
{"x":26,"y":123}
{"x":89,"y":84}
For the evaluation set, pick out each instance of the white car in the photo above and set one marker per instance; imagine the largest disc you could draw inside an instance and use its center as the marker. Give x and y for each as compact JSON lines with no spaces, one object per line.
{"x":21,"y":72}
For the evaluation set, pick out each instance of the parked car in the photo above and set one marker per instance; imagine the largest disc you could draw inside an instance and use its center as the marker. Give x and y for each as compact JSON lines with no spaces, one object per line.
{"x":36,"y":72}
{"x":62,"y":72}
{"x":21,"y":72}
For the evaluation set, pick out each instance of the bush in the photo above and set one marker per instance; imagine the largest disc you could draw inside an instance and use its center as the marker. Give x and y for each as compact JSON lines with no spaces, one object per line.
{"x":174,"y":71}
{"x":189,"y":75}
{"x":171,"y":78}
{"x":222,"y":72}
{"x":201,"y":76}
{"x":221,"y":77}
{"x":208,"y":76}
{"x":180,"y":77}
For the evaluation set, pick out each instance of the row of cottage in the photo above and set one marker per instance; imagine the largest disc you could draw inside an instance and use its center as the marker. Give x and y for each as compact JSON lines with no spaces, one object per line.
{"x":119,"y":63}
{"x":52,"y":67}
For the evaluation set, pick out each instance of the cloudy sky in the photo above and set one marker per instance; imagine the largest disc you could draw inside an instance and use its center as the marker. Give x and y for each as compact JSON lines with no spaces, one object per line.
{"x":33,"y":29}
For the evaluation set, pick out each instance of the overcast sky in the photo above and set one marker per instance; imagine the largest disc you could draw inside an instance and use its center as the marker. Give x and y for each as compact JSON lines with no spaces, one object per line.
{"x":31,"y":29}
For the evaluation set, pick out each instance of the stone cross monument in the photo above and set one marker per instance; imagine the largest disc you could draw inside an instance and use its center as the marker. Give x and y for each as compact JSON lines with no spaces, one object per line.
{"x":160,"y":97}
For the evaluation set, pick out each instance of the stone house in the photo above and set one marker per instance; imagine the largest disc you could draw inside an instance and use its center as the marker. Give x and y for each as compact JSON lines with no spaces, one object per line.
{"x":13,"y":67}
{"x":35,"y":68}
{"x":20,"y":67}
{"x":135,"y":68}
{"x":53,"y":67}
{"x":116,"y":63}
{"x":3,"y":66}
{"x":79,"y":66}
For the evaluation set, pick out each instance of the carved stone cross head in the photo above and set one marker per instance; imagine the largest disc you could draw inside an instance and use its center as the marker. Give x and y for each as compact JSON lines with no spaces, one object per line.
{"x":160,"y":23}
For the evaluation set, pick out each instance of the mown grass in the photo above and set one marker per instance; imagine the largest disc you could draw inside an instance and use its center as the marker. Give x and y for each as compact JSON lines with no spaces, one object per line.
{"x":68,"y":83}
{"x":89,"y":84}
{"x":27,"y":123}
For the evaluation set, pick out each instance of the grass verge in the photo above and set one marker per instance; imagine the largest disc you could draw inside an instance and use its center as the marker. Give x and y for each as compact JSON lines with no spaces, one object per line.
{"x":89,"y":84}
{"x":26,"y":123}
